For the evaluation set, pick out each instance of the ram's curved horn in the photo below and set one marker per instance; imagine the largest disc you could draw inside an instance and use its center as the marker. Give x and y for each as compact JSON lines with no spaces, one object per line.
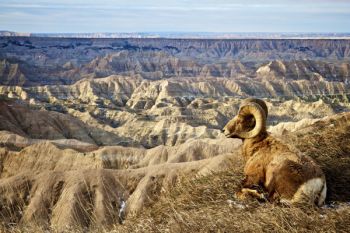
{"x":257,"y":101}
{"x":259,"y":115}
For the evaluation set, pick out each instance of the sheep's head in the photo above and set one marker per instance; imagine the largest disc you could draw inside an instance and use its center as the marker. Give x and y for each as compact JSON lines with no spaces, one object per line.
{"x":250,"y":120}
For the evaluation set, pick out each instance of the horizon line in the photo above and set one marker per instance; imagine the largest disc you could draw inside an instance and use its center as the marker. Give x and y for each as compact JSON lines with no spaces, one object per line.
{"x":175,"y":32}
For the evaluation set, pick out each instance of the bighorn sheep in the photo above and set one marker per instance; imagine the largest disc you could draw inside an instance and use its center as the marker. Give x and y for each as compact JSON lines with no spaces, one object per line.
{"x":271,"y":165}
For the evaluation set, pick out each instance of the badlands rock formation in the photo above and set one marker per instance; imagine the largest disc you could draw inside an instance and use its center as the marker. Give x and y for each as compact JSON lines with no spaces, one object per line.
{"x":36,"y":61}
{"x":95,"y":131}
{"x":148,"y":114}
{"x":63,"y":187}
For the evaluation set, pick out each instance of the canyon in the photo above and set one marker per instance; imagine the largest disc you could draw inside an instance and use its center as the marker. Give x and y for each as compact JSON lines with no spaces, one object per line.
{"x":103,"y":133}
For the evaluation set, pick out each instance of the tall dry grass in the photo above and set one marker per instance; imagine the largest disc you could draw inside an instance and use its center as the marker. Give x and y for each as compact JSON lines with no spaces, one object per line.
{"x":208,"y":204}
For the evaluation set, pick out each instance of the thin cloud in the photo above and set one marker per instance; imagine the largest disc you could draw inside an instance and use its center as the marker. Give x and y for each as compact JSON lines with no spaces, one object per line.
{"x":181,"y":15}
{"x":146,"y":7}
{"x":281,"y":6}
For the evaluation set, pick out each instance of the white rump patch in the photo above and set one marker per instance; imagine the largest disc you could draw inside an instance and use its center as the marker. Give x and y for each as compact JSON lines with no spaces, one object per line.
{"x":312,"y":191}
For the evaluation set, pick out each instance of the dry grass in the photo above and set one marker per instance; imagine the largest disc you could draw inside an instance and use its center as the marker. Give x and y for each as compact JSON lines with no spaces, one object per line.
{"x":208,"y":204}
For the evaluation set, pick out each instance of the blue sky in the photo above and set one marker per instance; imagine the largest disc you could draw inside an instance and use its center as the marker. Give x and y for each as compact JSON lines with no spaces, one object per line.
{"x":175,"y":16}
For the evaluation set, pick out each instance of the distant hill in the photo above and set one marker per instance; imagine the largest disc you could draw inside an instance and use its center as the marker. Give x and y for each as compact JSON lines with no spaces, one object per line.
{"x":32,"y":61}
{"x":193,"y":35}
{"x":9,"y":33}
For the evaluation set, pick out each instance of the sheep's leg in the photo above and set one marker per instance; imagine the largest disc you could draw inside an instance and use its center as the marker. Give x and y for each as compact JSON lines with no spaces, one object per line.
{"x":251,"y":187}
{"x":253,"y":192}
{"x":246,"y":192}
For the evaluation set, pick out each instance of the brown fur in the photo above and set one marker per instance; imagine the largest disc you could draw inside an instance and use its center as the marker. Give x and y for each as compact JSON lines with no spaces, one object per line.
{"x":272,"y":165}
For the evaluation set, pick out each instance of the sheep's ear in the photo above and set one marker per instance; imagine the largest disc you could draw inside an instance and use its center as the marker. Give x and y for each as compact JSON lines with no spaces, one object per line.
{"x":247,"y":125}
{"x":248,"y":122}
